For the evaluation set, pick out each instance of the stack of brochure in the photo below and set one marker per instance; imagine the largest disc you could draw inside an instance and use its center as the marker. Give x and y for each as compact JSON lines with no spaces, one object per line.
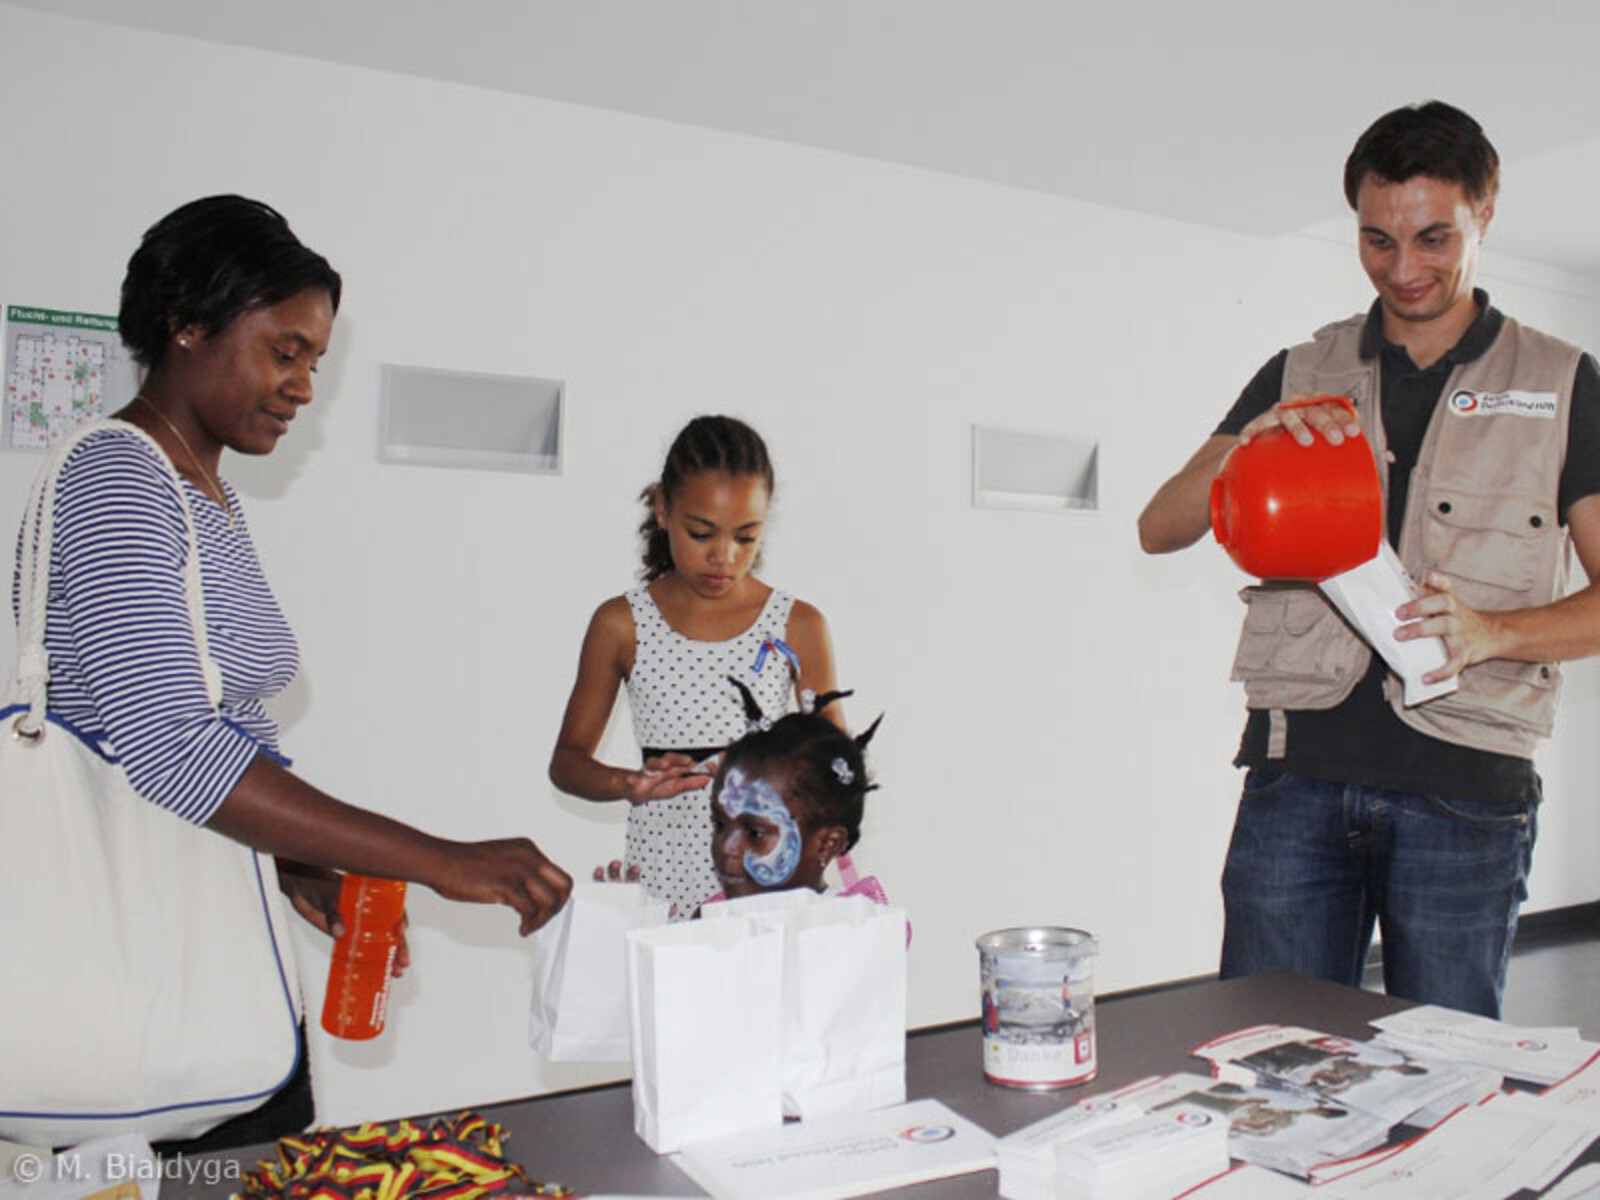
{"x":1381,"y":1080}
{"x":1537,"y":1055}
{"x":1285,"y":1128}
{"x":1152,"y":1158}
{"x":1027,"y":1158}
{"x":1288,"y":1129}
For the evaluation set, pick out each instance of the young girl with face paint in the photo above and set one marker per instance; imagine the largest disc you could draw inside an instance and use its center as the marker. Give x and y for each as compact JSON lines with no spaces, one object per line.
{"x":787,"y":801}
{"x":700,"y":616}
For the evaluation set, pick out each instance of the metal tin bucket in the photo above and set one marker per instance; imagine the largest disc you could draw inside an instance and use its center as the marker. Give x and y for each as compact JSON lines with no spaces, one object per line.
{"x":1038,"y":1007}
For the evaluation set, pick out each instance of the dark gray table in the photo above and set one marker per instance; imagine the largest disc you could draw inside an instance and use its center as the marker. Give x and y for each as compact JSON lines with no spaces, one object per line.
{"x":585,"y":1139}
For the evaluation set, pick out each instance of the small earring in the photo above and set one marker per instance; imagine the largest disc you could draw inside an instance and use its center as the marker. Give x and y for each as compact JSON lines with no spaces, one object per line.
{"x":183,"y":342}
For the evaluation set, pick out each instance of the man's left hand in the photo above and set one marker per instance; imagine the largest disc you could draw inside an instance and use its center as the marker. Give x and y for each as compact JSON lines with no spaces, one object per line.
{"x":1469,"y":636}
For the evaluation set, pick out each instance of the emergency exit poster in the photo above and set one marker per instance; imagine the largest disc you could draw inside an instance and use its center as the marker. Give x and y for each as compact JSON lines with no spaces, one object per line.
{"x":62,"y":370}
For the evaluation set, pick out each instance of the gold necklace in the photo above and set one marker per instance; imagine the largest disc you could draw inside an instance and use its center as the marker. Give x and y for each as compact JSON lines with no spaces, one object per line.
{"x":213,"y":485}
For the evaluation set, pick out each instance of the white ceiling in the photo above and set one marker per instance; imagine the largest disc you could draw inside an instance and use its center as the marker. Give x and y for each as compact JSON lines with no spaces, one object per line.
{"x":1234,"y":113}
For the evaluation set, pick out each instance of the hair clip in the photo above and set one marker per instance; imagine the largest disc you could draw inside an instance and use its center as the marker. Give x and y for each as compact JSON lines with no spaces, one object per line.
{"x":842,"y":772}
{"x":782,"y":648}
{"x":808,"y":701}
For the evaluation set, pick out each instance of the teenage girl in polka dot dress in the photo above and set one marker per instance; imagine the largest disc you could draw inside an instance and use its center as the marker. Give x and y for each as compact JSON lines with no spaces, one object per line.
{"x":699,"y":617}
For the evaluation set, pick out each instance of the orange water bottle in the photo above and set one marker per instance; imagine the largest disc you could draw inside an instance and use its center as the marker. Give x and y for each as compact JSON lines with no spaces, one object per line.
{"x":363,"y":959}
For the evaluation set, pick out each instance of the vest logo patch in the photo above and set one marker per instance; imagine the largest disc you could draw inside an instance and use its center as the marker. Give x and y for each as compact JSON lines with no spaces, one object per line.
{"x":1467,"y":403}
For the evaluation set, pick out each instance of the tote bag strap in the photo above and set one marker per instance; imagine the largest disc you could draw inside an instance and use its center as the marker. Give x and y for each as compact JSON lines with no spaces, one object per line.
{"x":33,"y":580}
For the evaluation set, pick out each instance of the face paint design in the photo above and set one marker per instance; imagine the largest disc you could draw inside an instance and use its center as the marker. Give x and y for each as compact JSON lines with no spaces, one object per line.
{"x":741,"y":794}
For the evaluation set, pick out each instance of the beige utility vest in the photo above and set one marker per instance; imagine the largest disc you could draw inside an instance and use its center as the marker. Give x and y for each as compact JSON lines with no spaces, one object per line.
{"x":1481,"y":508}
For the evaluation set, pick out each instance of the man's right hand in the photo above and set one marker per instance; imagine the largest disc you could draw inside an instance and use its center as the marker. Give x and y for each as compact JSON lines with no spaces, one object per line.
{"x":1303,"y":417}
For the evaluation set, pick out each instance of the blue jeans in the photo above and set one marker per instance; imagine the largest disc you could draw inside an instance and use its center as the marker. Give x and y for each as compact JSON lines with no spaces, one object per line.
{"x":1314,"y":864}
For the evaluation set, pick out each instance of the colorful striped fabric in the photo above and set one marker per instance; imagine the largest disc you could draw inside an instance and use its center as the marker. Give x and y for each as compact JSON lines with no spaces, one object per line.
{"x":123,"y":669}
{"x":456,"y":1158}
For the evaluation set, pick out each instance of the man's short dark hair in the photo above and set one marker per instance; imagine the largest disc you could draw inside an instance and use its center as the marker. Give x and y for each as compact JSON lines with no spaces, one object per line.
{"x":1433,"y":139}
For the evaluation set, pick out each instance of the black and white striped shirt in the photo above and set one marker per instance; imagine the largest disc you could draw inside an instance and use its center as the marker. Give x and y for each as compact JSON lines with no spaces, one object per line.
{"x":124,"y":673}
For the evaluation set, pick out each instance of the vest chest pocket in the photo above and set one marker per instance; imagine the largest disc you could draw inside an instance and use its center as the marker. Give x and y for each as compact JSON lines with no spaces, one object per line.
{"x":1490,"y":544}
{"x":1293,"y":635}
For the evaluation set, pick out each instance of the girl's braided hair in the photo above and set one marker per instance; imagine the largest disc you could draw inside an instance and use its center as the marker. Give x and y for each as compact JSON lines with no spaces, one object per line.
{"x":715,"y":443}
{"x":824,"y":768}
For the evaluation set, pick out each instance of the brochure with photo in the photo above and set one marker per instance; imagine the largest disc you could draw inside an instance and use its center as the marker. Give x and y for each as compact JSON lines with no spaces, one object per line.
{"x":1285,"y":1128}
{"x":1382,"y":1080}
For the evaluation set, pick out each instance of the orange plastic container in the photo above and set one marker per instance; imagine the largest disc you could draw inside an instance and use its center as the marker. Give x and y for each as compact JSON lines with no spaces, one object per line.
{"x":363,"y":959}
{"x":1286,"y":511}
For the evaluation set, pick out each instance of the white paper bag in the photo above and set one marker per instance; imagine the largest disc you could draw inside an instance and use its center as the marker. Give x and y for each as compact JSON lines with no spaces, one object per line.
{"x":580,"y":972}
{"x":707,"y":1021}
{"x":844,"y":998}
{"x":761,"y":904}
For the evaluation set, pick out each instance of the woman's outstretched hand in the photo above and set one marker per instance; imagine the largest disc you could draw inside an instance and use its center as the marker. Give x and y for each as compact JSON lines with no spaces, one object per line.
{"x":511,"y":871}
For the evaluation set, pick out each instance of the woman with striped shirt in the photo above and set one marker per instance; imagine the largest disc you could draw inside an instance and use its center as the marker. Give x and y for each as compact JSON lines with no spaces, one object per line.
{"x":229,"y":313}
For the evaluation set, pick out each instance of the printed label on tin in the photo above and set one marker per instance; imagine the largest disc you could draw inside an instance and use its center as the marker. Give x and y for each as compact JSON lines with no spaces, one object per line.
{"x":1040,"y":1064}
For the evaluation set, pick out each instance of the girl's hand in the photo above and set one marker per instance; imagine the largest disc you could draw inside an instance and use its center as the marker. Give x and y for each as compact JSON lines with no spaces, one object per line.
{"x":663,"y":777}
{"x":612,"y":872}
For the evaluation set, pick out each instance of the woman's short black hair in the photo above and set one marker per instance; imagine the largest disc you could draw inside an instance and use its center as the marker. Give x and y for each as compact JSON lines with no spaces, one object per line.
{"x":207,"y":264}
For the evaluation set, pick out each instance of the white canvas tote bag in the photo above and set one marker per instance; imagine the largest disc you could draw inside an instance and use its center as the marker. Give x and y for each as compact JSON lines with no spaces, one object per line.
{"x":146,"y":980}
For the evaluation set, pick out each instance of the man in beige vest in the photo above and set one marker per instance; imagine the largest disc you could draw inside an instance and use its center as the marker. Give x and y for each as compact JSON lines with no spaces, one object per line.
{"x":1357,"y":810}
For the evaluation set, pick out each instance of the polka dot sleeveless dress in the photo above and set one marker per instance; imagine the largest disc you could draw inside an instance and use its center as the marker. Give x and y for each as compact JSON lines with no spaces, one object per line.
{"x":682,"y":700}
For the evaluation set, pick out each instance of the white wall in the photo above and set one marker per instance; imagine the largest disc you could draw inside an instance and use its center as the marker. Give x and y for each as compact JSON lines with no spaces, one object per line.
{"x":1059,"y":719}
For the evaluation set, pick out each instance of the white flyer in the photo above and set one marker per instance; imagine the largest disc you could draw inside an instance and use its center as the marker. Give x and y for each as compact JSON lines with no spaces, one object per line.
{"x":1484,"y":1152}
{"x":1248,"y":1182}
{"x":1576,"y":1097}
{"x":1367,"y":597}
{"x":851,"y":1154}
{"x":1537,"y":1055}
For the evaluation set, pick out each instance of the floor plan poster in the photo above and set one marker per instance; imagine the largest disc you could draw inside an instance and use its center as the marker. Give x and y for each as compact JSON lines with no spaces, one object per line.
{"x":62,"y":369}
